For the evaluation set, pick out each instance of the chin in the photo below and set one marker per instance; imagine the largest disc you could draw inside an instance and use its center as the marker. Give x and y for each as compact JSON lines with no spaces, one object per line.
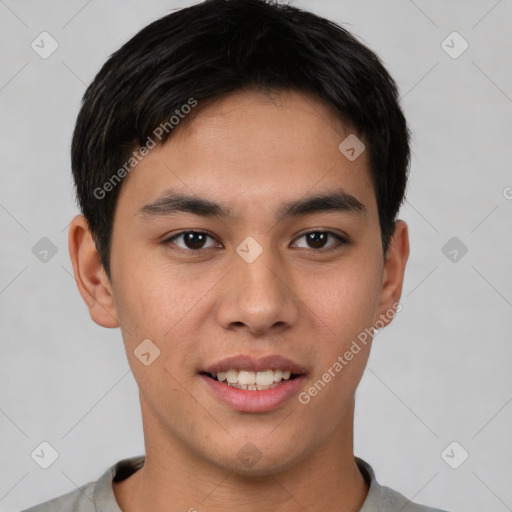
{"x":249,"y":460}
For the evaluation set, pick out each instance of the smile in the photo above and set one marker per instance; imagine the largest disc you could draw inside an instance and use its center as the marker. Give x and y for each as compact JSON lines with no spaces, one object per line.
{"x":253,"y":381}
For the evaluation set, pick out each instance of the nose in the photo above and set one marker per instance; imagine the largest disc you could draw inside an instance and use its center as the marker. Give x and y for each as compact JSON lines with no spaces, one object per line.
{"x":258,"y":296}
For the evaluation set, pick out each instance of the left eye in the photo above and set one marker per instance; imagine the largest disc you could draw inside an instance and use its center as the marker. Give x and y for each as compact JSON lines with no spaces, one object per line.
{"x":319,"y":238}
{"x":195,"y":240}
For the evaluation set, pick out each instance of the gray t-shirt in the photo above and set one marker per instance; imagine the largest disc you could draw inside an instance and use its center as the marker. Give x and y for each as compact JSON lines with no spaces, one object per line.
{"x":99,"y":496}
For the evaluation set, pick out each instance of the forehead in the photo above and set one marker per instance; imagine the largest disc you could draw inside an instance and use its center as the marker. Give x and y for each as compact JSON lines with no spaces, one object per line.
{"x":249,"y":148}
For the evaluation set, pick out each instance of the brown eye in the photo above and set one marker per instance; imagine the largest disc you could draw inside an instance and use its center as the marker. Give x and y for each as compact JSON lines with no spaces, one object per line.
{"x":317,"y":240}
{"x":192,"y":240}
{"x":195,"y":241}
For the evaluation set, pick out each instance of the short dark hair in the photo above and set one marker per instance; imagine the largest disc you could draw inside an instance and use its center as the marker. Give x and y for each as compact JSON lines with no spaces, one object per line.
{"x":217,"y":47}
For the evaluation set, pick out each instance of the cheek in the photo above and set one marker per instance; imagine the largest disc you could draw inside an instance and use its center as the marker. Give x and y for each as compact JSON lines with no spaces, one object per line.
{"x":154,"y":307}
{"x":344,"y":302}
{"x":161,"y":305}
{"x":147,"y":293}
{"x":344,"y":312}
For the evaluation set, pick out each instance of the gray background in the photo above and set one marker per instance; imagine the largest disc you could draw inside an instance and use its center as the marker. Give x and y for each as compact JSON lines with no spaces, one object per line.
{"x":439,"y":373}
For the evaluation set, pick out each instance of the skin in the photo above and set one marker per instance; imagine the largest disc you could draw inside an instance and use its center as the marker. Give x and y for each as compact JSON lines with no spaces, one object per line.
{"x":245,"y":150}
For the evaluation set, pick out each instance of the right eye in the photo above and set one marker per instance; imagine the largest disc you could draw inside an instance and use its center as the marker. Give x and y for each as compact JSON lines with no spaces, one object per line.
{"x":193,"y":241}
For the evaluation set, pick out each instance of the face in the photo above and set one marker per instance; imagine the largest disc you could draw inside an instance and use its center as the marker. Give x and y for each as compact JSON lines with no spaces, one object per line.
{"x":275,"y":287}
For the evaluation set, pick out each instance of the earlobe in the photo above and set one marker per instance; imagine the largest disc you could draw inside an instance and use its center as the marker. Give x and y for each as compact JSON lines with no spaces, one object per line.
{"x":393,"y":274}
{"x":90,"y":276}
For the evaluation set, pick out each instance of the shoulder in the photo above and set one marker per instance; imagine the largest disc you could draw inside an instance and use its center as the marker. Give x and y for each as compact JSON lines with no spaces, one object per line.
{"x":93,"y":496}
{"x":383,"y":499}
{"x":391,"y":500}
{"x":79,"y":500}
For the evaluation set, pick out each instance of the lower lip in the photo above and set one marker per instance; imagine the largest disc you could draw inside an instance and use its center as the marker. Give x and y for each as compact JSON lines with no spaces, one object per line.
{"x":256,"y":400}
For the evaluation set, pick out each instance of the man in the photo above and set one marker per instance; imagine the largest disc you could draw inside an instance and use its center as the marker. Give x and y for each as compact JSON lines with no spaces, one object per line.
{"x":240,"y":165}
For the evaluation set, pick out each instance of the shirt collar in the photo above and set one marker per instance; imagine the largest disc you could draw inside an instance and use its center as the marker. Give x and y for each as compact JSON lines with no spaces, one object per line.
{"x":105,"y":500}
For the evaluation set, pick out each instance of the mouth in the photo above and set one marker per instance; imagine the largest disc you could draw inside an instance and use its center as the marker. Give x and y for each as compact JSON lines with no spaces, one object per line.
{"x":254,"y":384}
{"x":251,"y":380}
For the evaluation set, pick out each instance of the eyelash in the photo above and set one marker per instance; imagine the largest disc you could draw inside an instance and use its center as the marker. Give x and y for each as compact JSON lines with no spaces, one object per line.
{"x":341,"y":241}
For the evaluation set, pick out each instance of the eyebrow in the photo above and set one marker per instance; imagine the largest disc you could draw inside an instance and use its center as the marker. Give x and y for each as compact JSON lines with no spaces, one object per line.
{"x":173,"y":202}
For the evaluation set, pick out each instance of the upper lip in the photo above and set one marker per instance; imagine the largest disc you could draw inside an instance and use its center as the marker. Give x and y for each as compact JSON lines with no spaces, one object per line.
{"x":256,"y":364}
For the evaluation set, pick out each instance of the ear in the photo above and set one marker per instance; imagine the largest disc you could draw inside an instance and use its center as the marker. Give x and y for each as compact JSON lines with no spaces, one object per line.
{"x":91,"y":279}
{"x":393,"y":274}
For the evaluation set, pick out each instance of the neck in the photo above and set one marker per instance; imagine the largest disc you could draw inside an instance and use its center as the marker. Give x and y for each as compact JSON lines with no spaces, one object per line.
{"x":175,"y":479}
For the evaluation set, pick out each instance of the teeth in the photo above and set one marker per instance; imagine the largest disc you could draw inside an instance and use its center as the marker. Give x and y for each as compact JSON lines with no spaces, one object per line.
{"x":265,"y":378}
{"x":246,"y":378}
{"x":252,"y":387}
{"x":232,"y":376}
{"x":243,"y":379}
